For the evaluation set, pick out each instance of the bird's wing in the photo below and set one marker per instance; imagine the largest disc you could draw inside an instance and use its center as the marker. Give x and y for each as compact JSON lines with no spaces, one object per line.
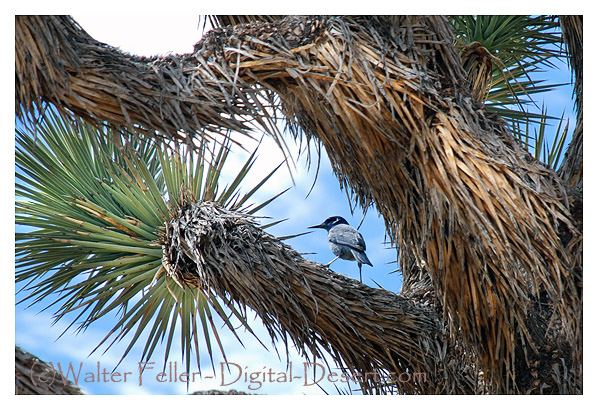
{"x":360,"y":257}
{"x":346,"y":235}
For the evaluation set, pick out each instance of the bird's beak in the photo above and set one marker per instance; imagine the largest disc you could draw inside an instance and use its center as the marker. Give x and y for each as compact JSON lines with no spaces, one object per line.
{"x":318,"y":226}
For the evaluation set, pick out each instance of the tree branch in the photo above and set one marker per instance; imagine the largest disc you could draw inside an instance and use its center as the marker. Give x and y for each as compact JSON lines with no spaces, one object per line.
{"x":57,"y":62}
{"x":370,"y":331}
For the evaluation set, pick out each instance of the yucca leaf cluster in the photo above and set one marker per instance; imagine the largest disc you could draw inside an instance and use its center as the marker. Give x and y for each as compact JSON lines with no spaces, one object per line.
{"x":91,"y":206}
{"x":519,"y":47}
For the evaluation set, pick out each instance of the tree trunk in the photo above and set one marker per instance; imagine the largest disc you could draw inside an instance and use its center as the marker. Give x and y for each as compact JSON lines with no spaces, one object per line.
{"x":477,"y":222}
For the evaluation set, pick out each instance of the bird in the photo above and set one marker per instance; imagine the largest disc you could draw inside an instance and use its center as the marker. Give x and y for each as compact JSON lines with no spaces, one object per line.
{"x":345,"y":241}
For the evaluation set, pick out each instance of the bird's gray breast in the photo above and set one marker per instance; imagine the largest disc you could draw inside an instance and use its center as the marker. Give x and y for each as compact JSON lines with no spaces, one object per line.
{"x":343,"y":238}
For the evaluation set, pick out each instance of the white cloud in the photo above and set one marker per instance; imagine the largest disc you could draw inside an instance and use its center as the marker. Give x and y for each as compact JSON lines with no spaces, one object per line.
{"x":144,"y":34}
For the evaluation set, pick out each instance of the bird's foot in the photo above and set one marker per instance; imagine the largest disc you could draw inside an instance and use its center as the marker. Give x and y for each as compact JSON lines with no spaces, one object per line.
{"x":327,"y":265}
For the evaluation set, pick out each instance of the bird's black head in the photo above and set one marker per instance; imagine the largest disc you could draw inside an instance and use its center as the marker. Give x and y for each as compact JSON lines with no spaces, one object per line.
{"x":331,"y":222}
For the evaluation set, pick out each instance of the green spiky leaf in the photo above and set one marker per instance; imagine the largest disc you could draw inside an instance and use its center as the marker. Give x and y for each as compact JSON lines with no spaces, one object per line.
{"x":90,"y":207}
{"x":520,"y":45}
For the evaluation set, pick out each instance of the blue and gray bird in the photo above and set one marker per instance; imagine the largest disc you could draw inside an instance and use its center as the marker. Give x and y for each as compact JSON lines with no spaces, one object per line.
{"x":345,"y":241}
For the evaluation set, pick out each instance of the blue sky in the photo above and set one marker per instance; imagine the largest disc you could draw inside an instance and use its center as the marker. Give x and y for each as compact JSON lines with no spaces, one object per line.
{"x":161,"y":34}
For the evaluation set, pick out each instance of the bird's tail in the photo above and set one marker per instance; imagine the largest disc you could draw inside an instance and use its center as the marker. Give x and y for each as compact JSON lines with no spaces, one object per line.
{"x":361,"y":257}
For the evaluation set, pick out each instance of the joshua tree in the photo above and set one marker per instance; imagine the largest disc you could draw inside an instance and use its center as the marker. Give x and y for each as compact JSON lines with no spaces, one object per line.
{"x":416,"y":115}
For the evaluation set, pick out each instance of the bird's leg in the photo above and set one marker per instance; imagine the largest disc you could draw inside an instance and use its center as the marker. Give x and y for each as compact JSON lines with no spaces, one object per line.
{"x":334,"y":259}
{"x":360,"y":269}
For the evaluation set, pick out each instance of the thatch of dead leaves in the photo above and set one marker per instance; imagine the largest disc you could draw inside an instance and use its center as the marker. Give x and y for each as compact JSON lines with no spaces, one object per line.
{"x":388,"y":99}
